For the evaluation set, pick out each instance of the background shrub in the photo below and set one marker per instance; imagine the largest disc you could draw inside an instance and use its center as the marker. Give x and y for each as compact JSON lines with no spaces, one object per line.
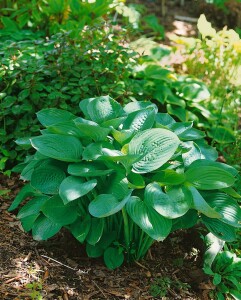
{"x":57,"y":72}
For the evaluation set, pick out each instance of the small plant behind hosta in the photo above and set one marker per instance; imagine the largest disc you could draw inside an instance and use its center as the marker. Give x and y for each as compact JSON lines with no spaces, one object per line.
{"x":57,"y":72}
{"x":120,"y":178}
{"x":215,"y":58}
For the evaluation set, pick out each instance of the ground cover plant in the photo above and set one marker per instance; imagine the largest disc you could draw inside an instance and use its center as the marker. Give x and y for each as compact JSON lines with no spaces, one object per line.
{"x":226,"y":274}
{"x":125,"y":177}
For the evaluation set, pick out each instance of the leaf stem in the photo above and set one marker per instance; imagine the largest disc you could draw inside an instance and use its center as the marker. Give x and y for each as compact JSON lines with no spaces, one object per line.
{"x":126,"y":229}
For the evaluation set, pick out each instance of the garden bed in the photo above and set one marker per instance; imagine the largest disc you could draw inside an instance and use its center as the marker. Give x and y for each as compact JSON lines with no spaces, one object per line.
{"x":60,"y":269}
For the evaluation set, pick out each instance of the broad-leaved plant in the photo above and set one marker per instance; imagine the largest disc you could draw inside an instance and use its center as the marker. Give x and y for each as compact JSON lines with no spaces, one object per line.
{"x":119,"y":178}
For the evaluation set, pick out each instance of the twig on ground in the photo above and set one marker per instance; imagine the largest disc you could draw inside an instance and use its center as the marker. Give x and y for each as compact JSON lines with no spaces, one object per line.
{"x":12,"y":279}
{"x":99,"y":289}
{"x":58,"y":262}
{"x":140,"y":265}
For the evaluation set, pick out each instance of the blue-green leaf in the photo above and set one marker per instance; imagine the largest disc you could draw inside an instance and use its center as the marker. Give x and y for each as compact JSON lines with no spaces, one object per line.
{"x":105,"y":205}
{"x":219,"y":229}
{"x":80,"y":228}
{"x":47,"y":179}
{"x":200,"y":204}
{"x":104,"y":108}
{"x":113,"y":258}
{"x":60,"y":147}
{"x":172,"y":204}
{"x":96,"y":231}
{"x":72,"y":188}
{"x":44,"y":228}
{"x":88,"y":169}
{"x":57,"y":212}
{"x":156,"y":146}
{"x":32,"y":207}
{"x":51,"y":116}
{"x":151,"y":222}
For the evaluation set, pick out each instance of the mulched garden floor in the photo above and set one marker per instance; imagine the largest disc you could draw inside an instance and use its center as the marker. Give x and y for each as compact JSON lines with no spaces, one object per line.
{"x":59,"y":268}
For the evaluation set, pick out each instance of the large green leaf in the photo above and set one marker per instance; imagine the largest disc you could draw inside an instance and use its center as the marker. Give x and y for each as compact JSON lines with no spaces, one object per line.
{"x":94,"y":250}
{"x":32,"y":207}
{"x":44,"y":228}
{"x":80,"y":228}
{"x":84,"y":105}
{"x":96,"y":231}
{"x":156,"y":146}
{"x":65,"y":128}
{"x":151,"y":222}
{"x":140,"y":120}
{"x":105,"y":205}
{"x":226,"y":206}
{"x":123,"y":136}
{"x":165,"y":119}
{"x":113,"y":257}
{"x":173,"y":204}
{"x":47,"y":178}
{"x":169,"y":177}
{"x":209,"y":163}
{"x":28,"y":170}
{"x":195,"y":91}
{"x":60,"y":147}
{"x":200,"y":204}
{"x":118,"y":186}
{"x":57,"y":212}
{"x":139,"y":105}
{"x":193,"y":154}
{"x":179,"y":112}
{"x":208,"y":153}
{"x":179,"y":128}
{"x":113,"y":123}
{"x":88,"y":169}
{"x":26,"y":191}
{"x":73,"y":187}
{"x":92,"y":130}
{"x":135,"y":181}
{"x":50,"y":116}
{"x":94,"y":150}
{"x":222,"y":135}
{"x":156,"y":72}
{"x":104,"y":108}
{"x":219,"y":229}
{"x":27,"y":222}
{"x":209,"y":177}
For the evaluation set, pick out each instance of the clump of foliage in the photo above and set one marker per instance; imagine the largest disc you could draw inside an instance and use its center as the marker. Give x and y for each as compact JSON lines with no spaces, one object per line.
{"x":226,"y":274}
{"x":122,"y":177}
{"x":180,"y":96}
{"x":56,"y":72}
{"x":215,"y":59}
{"x":22,"y":18}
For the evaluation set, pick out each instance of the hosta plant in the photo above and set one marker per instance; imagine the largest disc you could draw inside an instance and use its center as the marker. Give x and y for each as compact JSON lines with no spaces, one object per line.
{"x":119,"y":178}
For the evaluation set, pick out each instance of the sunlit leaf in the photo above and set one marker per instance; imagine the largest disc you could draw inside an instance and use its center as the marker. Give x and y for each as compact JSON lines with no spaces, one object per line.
{"x":156,"y":147}
{"x":150,"y":221}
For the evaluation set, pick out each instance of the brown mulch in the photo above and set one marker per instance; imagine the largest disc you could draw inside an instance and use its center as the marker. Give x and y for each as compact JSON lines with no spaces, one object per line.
{"x":59,"y":268}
